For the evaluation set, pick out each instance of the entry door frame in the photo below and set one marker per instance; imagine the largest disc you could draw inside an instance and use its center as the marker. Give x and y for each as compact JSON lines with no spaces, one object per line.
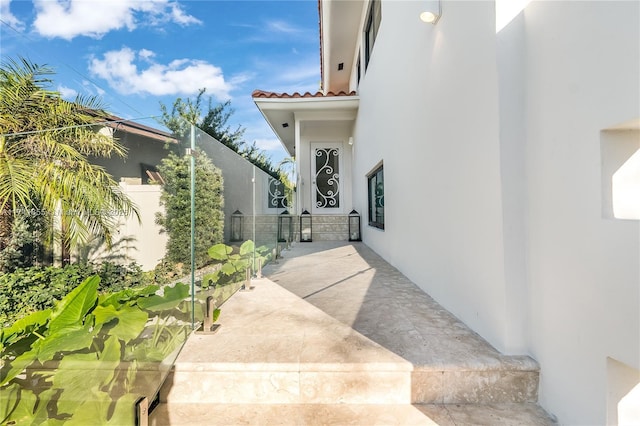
{"x":315,"y":209}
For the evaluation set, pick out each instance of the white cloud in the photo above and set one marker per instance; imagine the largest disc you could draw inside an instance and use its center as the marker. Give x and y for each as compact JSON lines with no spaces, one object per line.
{"x":8,"y":17}
{"x":268,"y":144}
{"x":181,"y":76}
{"x":182,"y":18}
{"x":71,"y":18}
{"x":146,"y":54}
{"x":282,"y":27}
{"x":92,"y":88}
{"x":67,"y":92}
{"x":304,"y":71}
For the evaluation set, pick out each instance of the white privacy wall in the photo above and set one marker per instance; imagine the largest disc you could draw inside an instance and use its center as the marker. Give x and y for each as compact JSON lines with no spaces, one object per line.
{"x":149,"y":242}
{"x":493,"y":169}
{"x":582,"y":77}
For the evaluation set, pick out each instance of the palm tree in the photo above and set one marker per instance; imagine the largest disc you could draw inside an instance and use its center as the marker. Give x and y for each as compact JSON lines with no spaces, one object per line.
{"x":44,"y":145}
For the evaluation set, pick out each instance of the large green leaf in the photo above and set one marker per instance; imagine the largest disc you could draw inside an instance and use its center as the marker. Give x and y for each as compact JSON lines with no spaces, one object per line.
{"x":130,"y":294}
{"x":247,"y":248}
{"x":228,"y":268}
{"x":33,"y":409}
{"x":71,"y":310}
{"x":79,"y":372}
{"x":16,"y":366}
{"x":104,"y":313}
{"x":220,"y":251}
{"x":67,"y":340}
{"x":210,"y":279}
{"x":23,"y":327}
{"x":94,"y":409}
{"x":131,"y":320}
{"x":9,"y":400}
{"x":171,"y":298}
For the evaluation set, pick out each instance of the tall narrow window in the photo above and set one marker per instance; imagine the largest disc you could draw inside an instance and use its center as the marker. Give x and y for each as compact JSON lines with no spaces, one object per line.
{"x":376,"y":197}
{"x":358,"y":69}
{"x":371,"y":29}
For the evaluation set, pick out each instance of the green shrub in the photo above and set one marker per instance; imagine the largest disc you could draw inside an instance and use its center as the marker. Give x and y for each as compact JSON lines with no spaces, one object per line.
{"x":37,"y":288}
{"x":175,"y":219}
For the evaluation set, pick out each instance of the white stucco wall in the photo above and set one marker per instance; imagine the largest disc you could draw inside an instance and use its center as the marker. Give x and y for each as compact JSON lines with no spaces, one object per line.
{"x":492,"y":148}
{"x":582,"y":77}
{"x":429,"y":111}
{"x":149,"y":244}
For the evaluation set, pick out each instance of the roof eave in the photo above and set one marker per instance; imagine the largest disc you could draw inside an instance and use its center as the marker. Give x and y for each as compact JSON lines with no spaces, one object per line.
{"x":280,"y":111}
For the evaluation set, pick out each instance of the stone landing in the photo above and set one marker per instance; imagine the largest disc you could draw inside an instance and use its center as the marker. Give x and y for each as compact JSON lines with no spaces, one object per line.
{"x":337,"y":336}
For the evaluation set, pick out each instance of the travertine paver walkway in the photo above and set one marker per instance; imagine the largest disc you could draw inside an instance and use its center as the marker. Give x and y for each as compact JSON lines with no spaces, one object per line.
{"x":358,"y":345}
{"x":353,"y":284}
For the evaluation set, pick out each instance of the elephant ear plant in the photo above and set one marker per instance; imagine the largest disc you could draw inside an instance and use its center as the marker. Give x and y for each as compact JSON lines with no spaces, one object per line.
{"x":233,"y":266}
{"x":89,"y":358}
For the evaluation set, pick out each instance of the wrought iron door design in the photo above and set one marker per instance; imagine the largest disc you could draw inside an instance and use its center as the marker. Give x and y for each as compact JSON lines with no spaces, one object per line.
{"x":327,"y":177}
{"x":277,"y":197}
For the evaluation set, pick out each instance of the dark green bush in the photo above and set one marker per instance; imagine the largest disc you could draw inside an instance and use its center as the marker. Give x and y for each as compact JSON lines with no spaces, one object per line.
{"x":33,"y":289}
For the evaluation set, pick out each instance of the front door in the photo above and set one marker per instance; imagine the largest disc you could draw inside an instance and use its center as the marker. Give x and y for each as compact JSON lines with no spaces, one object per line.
{"x":326,"y":165}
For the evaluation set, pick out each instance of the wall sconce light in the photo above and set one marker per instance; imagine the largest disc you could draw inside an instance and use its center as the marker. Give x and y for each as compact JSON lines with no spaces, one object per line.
{"x":432,"y":13}
{"x":350,"y":140}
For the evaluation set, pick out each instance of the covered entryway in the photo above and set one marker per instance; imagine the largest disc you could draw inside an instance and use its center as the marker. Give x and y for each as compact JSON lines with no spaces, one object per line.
{"x":316,"y":130}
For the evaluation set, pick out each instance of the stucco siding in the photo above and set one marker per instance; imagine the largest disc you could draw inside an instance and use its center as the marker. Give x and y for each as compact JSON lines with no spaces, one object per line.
{"x":431,"y":115}
{"x":498,"y":150}
{"x":584,"y":273}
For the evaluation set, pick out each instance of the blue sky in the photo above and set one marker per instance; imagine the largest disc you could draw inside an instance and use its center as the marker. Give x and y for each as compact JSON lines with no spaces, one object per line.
{"x":135,"y":54}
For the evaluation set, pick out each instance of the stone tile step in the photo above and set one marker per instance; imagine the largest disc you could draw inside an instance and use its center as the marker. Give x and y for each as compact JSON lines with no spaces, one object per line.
{"x":349,"y":383}
{"x":274,"y":347}
{"x":451,"y":363}
{"x":288,"y":387}
{"x":474,"y":387}
{"x":194,"y":414}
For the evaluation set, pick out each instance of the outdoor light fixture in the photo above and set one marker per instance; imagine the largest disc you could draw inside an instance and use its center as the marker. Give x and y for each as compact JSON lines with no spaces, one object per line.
{"x":236,"y":225}
{"x":354,"y":226}
{"x":285,"y":227}
{"x":350,"y":140}
{"x":305,"y":227}
{"x":432,"y":12}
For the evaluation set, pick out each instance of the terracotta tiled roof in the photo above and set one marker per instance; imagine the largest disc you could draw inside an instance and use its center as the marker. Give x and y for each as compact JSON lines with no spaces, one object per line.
{"x":273,"y":95}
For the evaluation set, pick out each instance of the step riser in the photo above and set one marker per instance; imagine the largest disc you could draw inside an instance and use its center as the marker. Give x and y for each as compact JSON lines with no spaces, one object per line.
{"x":349,"y":414}
{"x":370,"y":387}
{"x":288,"y":387}
{"x":474,"y":387}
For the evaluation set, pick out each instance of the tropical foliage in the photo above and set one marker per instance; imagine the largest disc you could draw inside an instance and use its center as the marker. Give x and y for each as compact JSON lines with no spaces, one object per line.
{"x":28,"y":290}
{"x":176,"y":199}
{"x":81,"y":361}
{"x":45,"y":142}
{"x":87,"y":359}
{"x":214,"y":122}
{"x":233,"y":264}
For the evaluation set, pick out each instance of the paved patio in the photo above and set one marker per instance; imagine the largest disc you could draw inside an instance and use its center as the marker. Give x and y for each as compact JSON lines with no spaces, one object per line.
{"x":334,"y":335}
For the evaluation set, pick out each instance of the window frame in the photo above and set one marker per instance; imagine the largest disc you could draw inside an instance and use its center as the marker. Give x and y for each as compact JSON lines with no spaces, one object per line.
{"x":371,"y":28}
{"x":375,"y":220}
